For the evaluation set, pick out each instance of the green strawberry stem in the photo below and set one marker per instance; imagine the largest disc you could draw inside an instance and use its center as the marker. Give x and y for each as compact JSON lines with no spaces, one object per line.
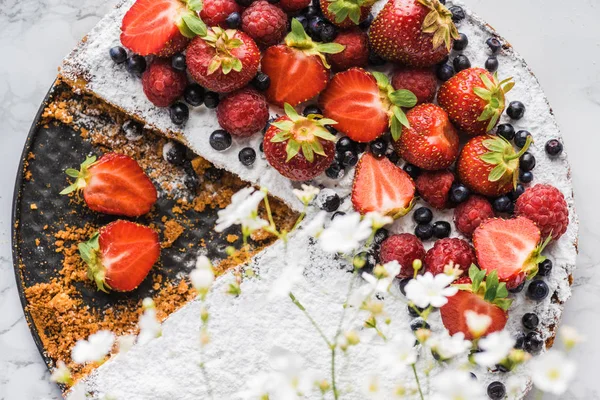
{"x":502,"y":155}
{"x":395,"y":101}
{"x":439,"y":23}
{"x":81,"y":176}
{"x":536,"y":258}
{"x":344,"y":9}
{"x":494,"y":94}
{"x":487,"y":287}
{"x":191,"y":25}
{"x":223,"y":41}
{"x":298,"y":39}
{"x":89,"y":252}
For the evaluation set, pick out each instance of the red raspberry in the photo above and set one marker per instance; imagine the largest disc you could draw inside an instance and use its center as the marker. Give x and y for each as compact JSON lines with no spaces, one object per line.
{"x":434,"y":187}
{"x":214,"y":12}
{"x":470,"y":214}
{"x":422,"y":82}
{"x":449,"y":250}
{"x":356,"y":52}
{"x":243,"y":113}
{"x":546,"y":206}
{"x":292,"y":6}
{"x":265,"y":23}
{"x":404,"y":248}
{"x":162,"y":83}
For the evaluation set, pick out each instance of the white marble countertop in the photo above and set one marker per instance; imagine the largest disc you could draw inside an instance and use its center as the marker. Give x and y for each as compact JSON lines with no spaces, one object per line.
{"x":560,"y":40}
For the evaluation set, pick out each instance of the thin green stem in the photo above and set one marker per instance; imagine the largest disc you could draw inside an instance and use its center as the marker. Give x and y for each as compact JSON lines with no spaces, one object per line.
{"x":312,"y":321}
{"x":269,"y":213}
{"x":333,"y":383}
{"x":418,"y":382}
{"x":539,"y":395}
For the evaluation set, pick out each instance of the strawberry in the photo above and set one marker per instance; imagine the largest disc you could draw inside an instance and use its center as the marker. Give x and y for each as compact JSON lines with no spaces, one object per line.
{"x":431,"y":141}
{"x":365,"y":104}
{"x":115,"y":184}
{"x":161,"y":27}
{"x":381,"y":186}
{"x":120,"y":255}
{"x":489,"y":165}
{"x":298,"y":69}
{"x":300,"y":148}
{"x":418,"y":33}
{"x":511,"y":247}
{"x":223,"y":60}
{"x":346,"y":13}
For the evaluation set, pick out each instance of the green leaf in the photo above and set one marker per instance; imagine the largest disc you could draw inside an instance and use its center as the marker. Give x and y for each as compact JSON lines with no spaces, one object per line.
{"x":487,"y":113}
{"x":227,"y":67}
{"x":502,"y":290}
{"x":495,"y":144}
{"x":400,"y":116}
{"x":403,"y":98}
{"x":195,"y":5}
{"x":283,"y":125}
{"x":291,"y":112}
{"x":473,"y":271}
{"x":382,"y":80}
{"x":297,"y":34}
{"x":478,"y":280}
{"x":194,"y":23}
{"x":395,"y":128}
{"x":292,"y":148}
{"x":324,"y":134}
{"x":72,"y":172}
{"x":503,"y":303}
{"x":308,"y":152}
{"x":507,"y":88}
{"x":492,"y":158}
{"x":482,"y":93}
{"x":280,"y":137}
{"x":491,"y":289}
{"x":87,"y":249}
{"x":88,"y":162}
{"x":487,"y":82}
{"x":327,"y":121}
{"x":330,"y":48}
{"x":318,"y":148}
{"x":214,"y":65}
{"x":237,"y":65}
{"x":354,"y":15}
{"x":497,"y":173}
{"x":69,"y":189}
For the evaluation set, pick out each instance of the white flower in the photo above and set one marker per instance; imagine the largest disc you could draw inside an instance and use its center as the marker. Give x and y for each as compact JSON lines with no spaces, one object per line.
{"x":478,"y":324}
{"x":307,"y":194}
{"x":431,"y":290}
{"x":399,"y":352}
{"x":258,"y":386}
{"x":552,"y":372}
{"x":78,"y":392}
{"x":94,"y":349}
{"x":515,"y":386}
{"x":377,"y":220}
{"x":202,"y":276}
{"x":360,"y":295}
{"x":447,"y":346}
{"x":289,"y":377}
{"x":454,"y":270}
{"x":570,"y":337}
{"x":371,"y":388}
{"x":283,"y":285}
{"x":125,"y":343}
{"x":61,"y":374}
{"x":345,"y":234}
{"x":456,"y":385}
{"x":314,"y":227}
{"x":496,"y":347}
{"x":150,"y":327}
{"x":385,"y":276}
{"x":242,"y":211}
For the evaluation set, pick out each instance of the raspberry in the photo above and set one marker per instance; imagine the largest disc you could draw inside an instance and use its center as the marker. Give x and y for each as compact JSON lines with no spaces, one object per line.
{"x":291,"y":6}
{"x":243,"y":113}
{"x":434,"y":187}
{"x":162,"y":83}
{"x":355,"y":53}
{"x":546,"y":206}
{"x":265,"y":23}
{"x":449,"y":250}
{"x":470,"y":214}
{"x":214,"y":12}
{"x":422,"y":82}
{"x":404,"y":248}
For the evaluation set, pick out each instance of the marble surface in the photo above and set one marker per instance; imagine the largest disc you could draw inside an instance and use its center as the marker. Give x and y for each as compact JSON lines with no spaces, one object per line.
{"x":560,"y":40}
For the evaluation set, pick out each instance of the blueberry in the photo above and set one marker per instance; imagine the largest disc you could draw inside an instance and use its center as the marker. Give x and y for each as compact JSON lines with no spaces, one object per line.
{"x":422,"y":215}
{"x":233,"y":20}
{"x":375,"y":59}
{"x":213,"y":174}
{"x":136,"y":64}
{"x":337,"y":214}
{"x":424,"y":231}
{"x":444,"y":72}
{"x":537,"y":290}
{"x":419,"y":323}
{"x":545,"y":267}
{"x":530,"y":321}
{"x":303,"y":20}
{"x":393,"y":157}
{"x":378,"y":147}
{"x":519,"y":340}
{"x":515,"y":194}
{"x":441,"y":229}
{"x":491,"y":64}
{"x":344,"y":144}
{"x":494,"y":44}
{"x":312,"y":11}
{"x":461,"y":43}
{"x":473,"y":376}
{"x":502,"y":203}
{"x":461,"y":62}
{"x":273,"y":1}
{"x":402,"y":285}
{"x":118,"y":54}
{"x":328,"y":200}
{"x":380,"y":236}
{"x":261,"y":81}
{"x":458,"y":14}
{"x":496,"y":390}
{"x":554,"y":147}
{"x":443,"y":2}
{"x":364,"y":25}
{"x":244,"y":3}
{"x":459,"y":193}
{"x":527,"y":162}
{"x":525,"y":177}
{"x":220,"y":140}
{"x":311,"y":110}
{"x":521,"y":138}
{"x":194,"y":94}
{"x":517,"y":289}
{"x":328,"y":33}
{"x":247,"y":156}
{"x":507,"y":131}
{"x":365,"y":260}
{"x":211,"y":100}
{"x":179,"y":113}
{"x":413,"y":312}
{"x":315,"y":24}
{"x":533,"y":343}
{"x":174,"y":153}
{"x":412,"y":170}
{"x":350,"y":158}
{"x":335,"y":170}
{"x":178,"y":62}
{"x":190,"y":179}
{"x":516,"y":110}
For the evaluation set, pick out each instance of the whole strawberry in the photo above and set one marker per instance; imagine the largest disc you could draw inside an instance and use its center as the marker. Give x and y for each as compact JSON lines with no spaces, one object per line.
{"x":421,"y":81}
{"x":474,"y":99}
{"x":355,"y":53}
{"x":418,"y":33}
{"x":489,"y":165}
{"x":264,"y":22}
{"x":471,"y":213}
{"x":346,"y":13}
{"x":434,"y":187}
{"x":215,"y":12}
{"x":300,"y":148}
{"x":162,"y":83}
{"x":223,"y":60}
{"x":404,"y":248}
{"x":243,"y":112}
{"x":449,"y":253}
{"x":546,"y":206}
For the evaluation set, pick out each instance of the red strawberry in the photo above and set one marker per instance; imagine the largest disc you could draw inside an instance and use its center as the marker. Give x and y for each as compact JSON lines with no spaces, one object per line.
{"x":356,"y":51}
{"x":431,"y":141}
{"x":346,"y":13}
{"x":470,"y":214}
{"x":365,"y":105}
{"x":215,"y":12}
{"x":161,"y":27}
{"x":120,"y":255}
{"x":422,"y":82}
{"x":488,"y":165}
{"x":417,"y":33}
{"x":223,"y":60}
{"x":434,"y":187}
{"x":509,"y":246}
{"x":404,"y":248}
{"x":449,"y":250}
{"x":381,"y":186}
{"x":243,"y":113}
{"x":300,"y":148}
{"x":298,"y":69}
{"x":162,"y":83}
{"x":265,"y":22}
{"x":474,"y":99}
{"x":115,"y":184}
{"x":546,"y":206}
{"x":291,"y":6}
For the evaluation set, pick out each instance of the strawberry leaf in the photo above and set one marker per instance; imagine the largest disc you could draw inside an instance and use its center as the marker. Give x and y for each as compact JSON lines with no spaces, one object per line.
{"x":395,"y":128}
{"x":195,"y":5}
{"x":308,"y":151}
{"x":382,"y":80}
{"x":194,"y":23}
{"x":283,"y":125}
{"x":330,"y":48}
{"x":403,"y":98}
{"x":324,"y":134}
{"x":497,"y":173}
{"x":291,"y":112}
{"x":400,"y":116}
{"x":292,"y":148}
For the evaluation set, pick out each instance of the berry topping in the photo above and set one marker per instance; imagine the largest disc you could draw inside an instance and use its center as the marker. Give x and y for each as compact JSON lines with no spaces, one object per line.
{"x":461,"y":42}
{"x":178,"y":62}
{"x":470,"y":214}
{"x":163,"y":84}
{"x":441,"y":229}
{"x":553,"y":147}
{"x":546,"y":206}
{"x":494,"y":44}
{"x":211,"y":100}
{"x":421,"y":82}
{"x":458,"y":14}
{"x":496,"y":391}
{"x":243,"y":112}
{"x":491,"y":64}
{"x":525,"y":177}
{"x":247,"y":156}
{"x":118,"y":54}
{"x":521,"y":138}
{"x":506,"y":131}
{"x":444,"y":72}
{"x":411,"y":170}
{"x":537,"y":290}
{"x":291,"y":6}
{"x":450,"y":252}
{"x":346,"y":13}
{"x":174,"y":153}
{"x":423,"y":215}
{"x":404,"y":248}
{"x":503,"y":204}
{"x":136,"y":65}
{"x":233,"y":20}
{"x":434,"y":187}
{"x":261,"y":81}
{"x":220,"y":140}
{"x":516,"y":110}
{"x":216,"y":12}
{"x":461,"y":62}
{"x":533,"y":343}
{"x":527,"y":162}
{"x":194,"y":94}
{"x":545,"y":267}
{"x":328,"y":200}
{"x":378,"y":147}
{"x":355,"y":53}
{"x":459,"y":193}
{"x":179,"y":113}
{"x":530,"y":321}
{"x":265,"y":23}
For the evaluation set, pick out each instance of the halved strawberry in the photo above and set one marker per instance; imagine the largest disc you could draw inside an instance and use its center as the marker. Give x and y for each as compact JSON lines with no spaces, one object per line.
{"x":115,"y":184}
{"x":381,"y":186}
{"x":365,"y":105}
{"x":509,"y":246}
{"x":120,"y":255}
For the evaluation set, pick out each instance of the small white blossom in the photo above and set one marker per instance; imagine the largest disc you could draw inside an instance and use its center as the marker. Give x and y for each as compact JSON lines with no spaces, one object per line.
{"x":371,"y":388}
{"x":61,"y":374}
{"x":399,"y":352}
{"x":454,"y":270}
{"x":307,"y":194}
{"x":552,"y":372}
{"x":315,"y":226}
{"x":515,"y":386}
{"x":360,"y":295}
{"x":456,"y":385}
{"x":283,"y":285}
{"x":377,"y":220}
{"x":431,"y":290}
{"x":78,"y":392}
{"x":259,"y":386}
{"x":447,"y":346}
{"x":496,"y":347}
{"x":289,"y":376}
{"x":478,"y":324}
{"x":203,"y":275}
{"x":150,"y":327}
{"x":94,"y":349}
{"x":385,"y":276}
{"x":345,"y":234}
{"x":242,"y":211}
{"x":125,"y":343}
{"x":570,"y":337}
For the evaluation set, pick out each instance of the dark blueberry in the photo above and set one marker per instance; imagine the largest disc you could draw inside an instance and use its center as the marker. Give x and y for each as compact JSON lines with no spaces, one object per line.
{"x":533,"y":343}
{"x":422,"y":215}
{"x":364,"y":25}
{"x":378,"y":147}
{"x":444,"y":72}
{"x":511,"y":208}
{"x":402,"y":285}
{"x":329,"y":201}
{"x":190,"y":180}
{"x":118,"y":54}
{"x":537,"y":290}
{"x":261,"y":147}
{"x":312,"y":11}
{"x":233,"y":20}
{"x":521,"y":138}
{"x":344,"y":144}
{"x":178,"y":62}
{"x":337,"y":214}
{"x":136,"y":64}
{"x":517,"y":289}
{"x":424,"y":231}
{"x":179,"y":113}
{"x":459,"y":193}
{"x":413,"y":312}
{"x":315,"y":24}
{"x":375,"y":59}
{"x":515,"y":194}
{"x":494,"y":44}
{"x":220,"y":140}
{"x":247,"y":156}
{"x":350,"y":158}
{"x":491,"y":64}
{"x":507,"y":131}
{"x":335,"y":170}
{"x":441,"y":229}
{"x":174,"y":153}
{"x":380,"y":236}
{"x":331,"y":129}
{"x":545,"y":267}
{"x":328,"y":33}
{"x":361,"y":147}
{"x":261,"y":81}
{"x":311,"y":110}
{"x":519,"y":340}
{"x":303,"y":20}
{"x":273,"y":1}
{"x":502,"y":204}
{"x":419,"y":323}
{"x":194,"y":94}
{"x":244,"y":3}
{"x":316,"y":3}
{"x":527,"y":162}
{"x":496,"y":391}
{"x":458,"y":14}
{"x":530,"y":321}
{"x":525,"y":177}
{"x":516,"y":110}
{"x":502,"y":368}
{"x":461,"y":62}
{"x":554,"y":147}
{"x":365,"y":260}
{"x":461,"y":43}
{"x":213,"y":174}
{"x":412,"y":170}
{"x":473,"y":376}
{"x":393,"y":157}
{"x":211,"y":100}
